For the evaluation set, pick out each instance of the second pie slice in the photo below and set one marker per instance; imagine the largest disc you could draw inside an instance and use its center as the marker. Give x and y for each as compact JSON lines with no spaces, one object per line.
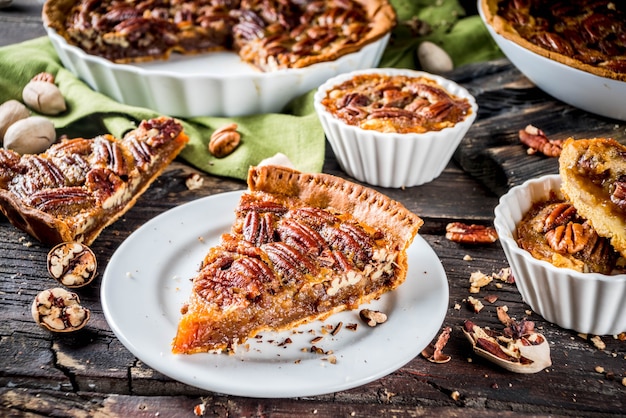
{"x":302,"y":247}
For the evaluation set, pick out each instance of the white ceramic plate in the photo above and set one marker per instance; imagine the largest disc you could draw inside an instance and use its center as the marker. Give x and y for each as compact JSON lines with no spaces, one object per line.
{"x":212,"y":84}
{"x":147,"y":281}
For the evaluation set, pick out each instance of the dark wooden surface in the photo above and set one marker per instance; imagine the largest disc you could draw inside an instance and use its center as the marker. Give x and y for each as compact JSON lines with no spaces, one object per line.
{"x":90,"y":373}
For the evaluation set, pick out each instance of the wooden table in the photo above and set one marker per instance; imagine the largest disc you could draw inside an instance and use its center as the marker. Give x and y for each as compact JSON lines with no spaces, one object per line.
{"x":90,"y":373}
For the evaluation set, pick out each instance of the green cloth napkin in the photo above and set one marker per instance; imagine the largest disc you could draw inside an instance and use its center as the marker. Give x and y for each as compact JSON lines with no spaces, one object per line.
{"x":295,"y":132}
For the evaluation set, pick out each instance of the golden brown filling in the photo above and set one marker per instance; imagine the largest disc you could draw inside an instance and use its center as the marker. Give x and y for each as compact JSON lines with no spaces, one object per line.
{"x":554,"y":232}
{"x":590,"y":31}
{"x":395,"y":103}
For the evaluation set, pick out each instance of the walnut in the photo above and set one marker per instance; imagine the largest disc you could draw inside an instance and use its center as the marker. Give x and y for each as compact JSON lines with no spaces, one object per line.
{"x":72,"y":264}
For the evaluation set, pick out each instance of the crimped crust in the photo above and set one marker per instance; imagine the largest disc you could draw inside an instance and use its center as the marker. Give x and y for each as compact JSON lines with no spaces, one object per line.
{"x":80,"y":186}
{"x":593,"y":173}
{"x":327,"y":191}
{"x":506,"y":29}
{"x":302,"y":247}
{"x":265,"y":52}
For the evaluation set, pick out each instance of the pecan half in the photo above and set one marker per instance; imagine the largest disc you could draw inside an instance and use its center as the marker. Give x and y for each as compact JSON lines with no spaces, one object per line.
{"x":537,"y":141}
{"x":59,"y":310}
{"x":224,"y":140}
{"x":470,"y":234}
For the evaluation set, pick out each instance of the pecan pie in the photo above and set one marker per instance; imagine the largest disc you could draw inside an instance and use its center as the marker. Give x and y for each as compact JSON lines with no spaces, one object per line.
{"x":395,"y":103}
{"x":593,"y":174}
{"x":78,"y":187}
{"x":589,"y":35}
{"x":302,"y":247}
{"x":269,"y":34}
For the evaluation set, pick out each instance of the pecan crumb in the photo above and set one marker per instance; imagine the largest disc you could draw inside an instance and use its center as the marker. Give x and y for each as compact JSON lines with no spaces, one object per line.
{"x":598,"y":343}
{"x":337,"y":328}
{"x":434,"y":352}
{"x":199,"y":410}
{"x":491,"y":298}
{"x":477,"y":280}
{"x":455,"y":395}
{"x":194,"y":181}
{"x":475,"y":304}
{"x":372,"y":318}
{"x":599,"y":369}
{"x":316,"y":340}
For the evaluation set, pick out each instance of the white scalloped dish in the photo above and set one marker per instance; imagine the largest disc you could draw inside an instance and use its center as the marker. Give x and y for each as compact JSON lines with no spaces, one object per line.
{"x":584,"y":302}
{"x":211,"y":84}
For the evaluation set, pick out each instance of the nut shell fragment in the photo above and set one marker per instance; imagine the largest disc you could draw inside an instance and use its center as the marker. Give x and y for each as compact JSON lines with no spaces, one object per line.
{"x":72,"y":264}
{"x":59,"y":310}
{"x":528,"y":353}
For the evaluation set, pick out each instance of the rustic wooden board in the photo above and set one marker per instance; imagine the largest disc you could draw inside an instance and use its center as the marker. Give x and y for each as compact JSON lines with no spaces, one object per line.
{"x":492,"y":152}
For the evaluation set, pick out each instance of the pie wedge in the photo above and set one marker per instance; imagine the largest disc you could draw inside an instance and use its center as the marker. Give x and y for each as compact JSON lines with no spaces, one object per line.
{"x":593,"y":174}
{"x":302,"y":247}
{"x":80,"y":186}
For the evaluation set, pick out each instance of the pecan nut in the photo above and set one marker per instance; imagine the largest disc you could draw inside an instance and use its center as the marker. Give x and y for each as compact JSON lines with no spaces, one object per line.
{"x":224,"y":140}
{"x":471,"y":234}
{"x":537,"y":141}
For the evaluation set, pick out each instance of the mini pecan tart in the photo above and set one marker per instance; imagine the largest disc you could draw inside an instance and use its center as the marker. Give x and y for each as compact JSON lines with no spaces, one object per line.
{"x":584,"y":34}
{"x":302,"y":247}
{"x":593,"y":174}
{"x":553,"y":231}
{"x":78,"y":187}
{"x":395,"y":103}
{"x":270,"y":35}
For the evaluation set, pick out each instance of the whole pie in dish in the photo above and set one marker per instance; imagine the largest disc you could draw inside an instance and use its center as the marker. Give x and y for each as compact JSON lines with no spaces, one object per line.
{"x":302,"y":247}
{"x":584,"y":34}
{"x":395,"y":103}
{"x":593,"y":173}
{"x":268,"y":34}
{"x":78,"y":187}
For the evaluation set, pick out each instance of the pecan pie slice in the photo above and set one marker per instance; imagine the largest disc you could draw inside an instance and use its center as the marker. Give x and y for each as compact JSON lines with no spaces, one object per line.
{"x":80,"y":186}
{"x":268,"y":34}
{"x":593,"y":174}
{"x":589,"y":35}
{"x":302,"y":247}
